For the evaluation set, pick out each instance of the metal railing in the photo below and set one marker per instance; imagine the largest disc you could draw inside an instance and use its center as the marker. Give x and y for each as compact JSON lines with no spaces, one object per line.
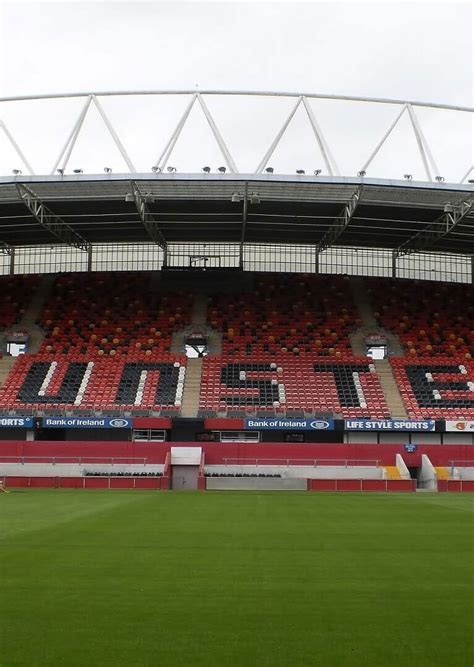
{"x":460,"y":464}
{"x":54,"y":460}
{"x":314,"y":463}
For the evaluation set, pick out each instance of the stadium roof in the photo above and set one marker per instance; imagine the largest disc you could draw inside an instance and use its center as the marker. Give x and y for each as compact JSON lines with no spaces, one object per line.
{"x":81,"y":209}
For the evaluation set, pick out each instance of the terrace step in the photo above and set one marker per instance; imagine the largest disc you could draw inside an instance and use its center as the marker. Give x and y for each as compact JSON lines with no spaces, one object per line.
{"x":390,"y":388}
{"x":392,"y":472}
{"x":369,"y":324}
{"x":29,"y":320}
{"x":192,"y":388}
{"x":6,"y":364}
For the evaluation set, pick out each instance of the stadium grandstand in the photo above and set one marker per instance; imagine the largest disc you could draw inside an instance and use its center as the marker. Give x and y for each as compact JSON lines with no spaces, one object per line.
{"x":237,"y":330}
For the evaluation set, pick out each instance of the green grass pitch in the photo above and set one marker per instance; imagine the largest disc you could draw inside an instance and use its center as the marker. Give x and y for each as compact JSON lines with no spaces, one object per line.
{"x":227,"y":579}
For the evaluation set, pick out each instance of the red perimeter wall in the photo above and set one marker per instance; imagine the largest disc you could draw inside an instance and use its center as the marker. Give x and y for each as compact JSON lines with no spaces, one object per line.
{"x":216,"y":452}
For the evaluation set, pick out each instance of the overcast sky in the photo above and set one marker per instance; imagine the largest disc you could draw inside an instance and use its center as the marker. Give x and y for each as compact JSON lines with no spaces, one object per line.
{"x":406,"y":50}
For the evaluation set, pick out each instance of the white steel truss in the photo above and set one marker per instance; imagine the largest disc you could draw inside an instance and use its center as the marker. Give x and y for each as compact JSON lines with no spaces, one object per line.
{"x":49,"y":220}
{"x":430,"y":166}
{"x":452,"y":216}
{"x":150,"y":224}
{"x":341,"y":222}
{"x":17,"y":149}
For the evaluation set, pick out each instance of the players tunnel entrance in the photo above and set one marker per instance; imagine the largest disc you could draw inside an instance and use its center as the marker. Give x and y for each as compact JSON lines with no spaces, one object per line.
{"x":415,"y":473}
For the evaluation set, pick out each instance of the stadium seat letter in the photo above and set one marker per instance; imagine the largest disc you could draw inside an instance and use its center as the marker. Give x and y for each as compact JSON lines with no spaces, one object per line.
{"x":31,"y":390}
{"x":165,"y":389}
{"x":235,"y":375}
{"x":428,"y":390}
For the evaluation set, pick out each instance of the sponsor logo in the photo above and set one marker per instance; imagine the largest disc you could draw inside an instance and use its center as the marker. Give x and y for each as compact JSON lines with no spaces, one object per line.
{"x":119,"y":423}
{"x":459,"y":425}
{"x":85,"y":422}
{"x":320,"y":424}
{"x":290,"y":424}
{"x":389,"y":425}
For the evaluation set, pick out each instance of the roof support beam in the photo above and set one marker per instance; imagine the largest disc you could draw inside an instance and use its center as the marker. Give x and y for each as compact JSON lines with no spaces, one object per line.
{"x":49,"y":220}
{"x":66,"y":151}
{"x":218,"y":137}
{"x":18,"y":150}
{"x":244,"y":224}
{"x":162,"y":161}
{"x":328,"y":157}
{"x":276,"y":141}
{"x":148,"y":221}
{"x":452,"y":216}
{"x":468,"y":172}
{"x":341,"y":222}
{"x":423,"y":147}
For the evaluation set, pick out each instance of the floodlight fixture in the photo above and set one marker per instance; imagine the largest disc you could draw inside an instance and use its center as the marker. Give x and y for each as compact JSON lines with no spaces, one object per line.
{"x":439,"y":179}
{"x":470,"y":180}
{"x":317,"y":172}
{"x":129,"y":197}
{"x":408,"y":177}
{"x":17,"y":172}
{"x":448,"y":207}
{"x":300,"y":171}
{"x":156,"y":170}
{"x":235,"y":197}
{"x":78,"y":171}
{"x":361,"y":173}
{"x":171,"y":170}
{"x":206,"y":170}
{"x":60,"y":172}
{"x":108,"y":170}
{"x":221,"y":170}
{"x":269,"y":170}
{"x":254,"y":198}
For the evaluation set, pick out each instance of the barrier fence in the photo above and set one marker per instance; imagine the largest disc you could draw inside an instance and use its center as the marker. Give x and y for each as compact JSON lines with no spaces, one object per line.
{"x":53,"y":460}
{"x":314,"y":463}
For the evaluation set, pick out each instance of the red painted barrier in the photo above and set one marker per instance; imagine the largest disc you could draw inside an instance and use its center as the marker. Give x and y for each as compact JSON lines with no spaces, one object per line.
{"x":96,"y":483}
{"x":456,"y":485}
{"x":84,"y":482}
{"x":71,"y":482}
{"x":386,"y":485}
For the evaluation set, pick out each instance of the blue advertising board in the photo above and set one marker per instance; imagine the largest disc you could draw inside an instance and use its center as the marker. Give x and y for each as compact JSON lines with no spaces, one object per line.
{"x":86,"y":422}
{"x":16,"y":422}
{"x":282,"y":424}
{"x":389,"y":424}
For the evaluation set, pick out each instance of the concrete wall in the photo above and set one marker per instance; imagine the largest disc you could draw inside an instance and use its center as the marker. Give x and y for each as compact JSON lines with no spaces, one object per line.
{"x":255,"y":484}
{"x":401,"y":466}
{"x":302,"y":472}
{"x":466,"y":473}
{"x":427,"y":477}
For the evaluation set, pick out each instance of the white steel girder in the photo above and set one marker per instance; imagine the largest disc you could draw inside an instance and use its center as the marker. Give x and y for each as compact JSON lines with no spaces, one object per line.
{"x":50,"y":221}
{"x":149,"y":223}
{"x":437,"y":229}
{"x":341,"y":222}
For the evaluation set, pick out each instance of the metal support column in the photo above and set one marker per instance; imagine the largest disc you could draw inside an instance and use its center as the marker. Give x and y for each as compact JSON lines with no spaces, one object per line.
{"x":12,"y":261}
{"x":394,"y":263}
{"x":244,"y":225}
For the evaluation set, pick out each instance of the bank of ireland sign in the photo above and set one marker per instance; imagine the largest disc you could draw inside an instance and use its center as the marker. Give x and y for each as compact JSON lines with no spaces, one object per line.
{"x":281,"y":424}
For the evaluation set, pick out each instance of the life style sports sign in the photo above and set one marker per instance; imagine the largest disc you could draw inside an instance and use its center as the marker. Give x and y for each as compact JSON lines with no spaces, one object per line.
{"x":275,"y":424}
{"x":16,"y":422}
{"x":389,"y":425}
{"x":86,"y":422}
